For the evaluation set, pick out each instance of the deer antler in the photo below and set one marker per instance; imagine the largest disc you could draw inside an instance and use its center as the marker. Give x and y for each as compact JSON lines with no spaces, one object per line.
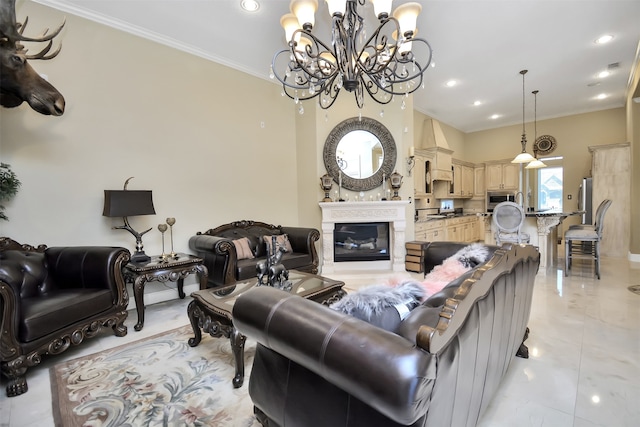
{"x":13,"y":30}
{"x":43,"y":53}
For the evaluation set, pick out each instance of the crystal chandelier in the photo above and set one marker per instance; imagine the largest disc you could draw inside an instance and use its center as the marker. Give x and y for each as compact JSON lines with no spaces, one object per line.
{"x":390,"y":61}
{"x":523,"y":157}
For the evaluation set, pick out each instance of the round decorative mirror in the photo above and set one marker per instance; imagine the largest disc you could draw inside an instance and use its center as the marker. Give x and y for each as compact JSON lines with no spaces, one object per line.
{"x":360,"y":152}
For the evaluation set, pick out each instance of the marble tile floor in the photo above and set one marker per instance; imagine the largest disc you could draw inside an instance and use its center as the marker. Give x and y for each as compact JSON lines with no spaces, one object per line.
{"x":583,"y":370}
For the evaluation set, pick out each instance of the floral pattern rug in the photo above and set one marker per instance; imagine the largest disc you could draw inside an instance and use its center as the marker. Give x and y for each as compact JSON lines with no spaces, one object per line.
{"x":157,"y":381}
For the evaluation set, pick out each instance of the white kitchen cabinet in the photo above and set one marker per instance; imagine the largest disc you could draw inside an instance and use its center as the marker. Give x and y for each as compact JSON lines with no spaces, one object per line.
{"x":462,"y":185}
{"x":422,"y":181}
{"x":418,"y":173}
{"x":467,"y":181}
{"x":502,"y":176}
{"x":479,"y":188}
{"x":430,"y":231}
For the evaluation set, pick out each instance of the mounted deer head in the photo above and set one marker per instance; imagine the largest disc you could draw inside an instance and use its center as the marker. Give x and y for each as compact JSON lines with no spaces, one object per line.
{"x":19,"y":82}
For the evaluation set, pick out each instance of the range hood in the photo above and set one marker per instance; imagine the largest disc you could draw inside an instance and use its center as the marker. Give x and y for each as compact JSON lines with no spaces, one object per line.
{"x":433,"y":141}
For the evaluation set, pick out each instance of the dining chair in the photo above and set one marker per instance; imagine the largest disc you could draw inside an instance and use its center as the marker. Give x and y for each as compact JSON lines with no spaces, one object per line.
{"x":584,"y":242}
{"x":508,"y":218}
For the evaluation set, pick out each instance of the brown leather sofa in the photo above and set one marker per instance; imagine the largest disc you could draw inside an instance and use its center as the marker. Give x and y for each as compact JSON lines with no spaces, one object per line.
{"x":52,"y":298}
{"x":220,"y":256}
{"x":318,"y":367}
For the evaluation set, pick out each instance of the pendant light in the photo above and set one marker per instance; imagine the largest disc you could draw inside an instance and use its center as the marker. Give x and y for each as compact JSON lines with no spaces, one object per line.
{"x":523,"y":157}
{"x":535,"y":164}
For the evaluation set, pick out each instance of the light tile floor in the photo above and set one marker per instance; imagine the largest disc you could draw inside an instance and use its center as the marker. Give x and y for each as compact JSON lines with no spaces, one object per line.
{"x":583,"y":370}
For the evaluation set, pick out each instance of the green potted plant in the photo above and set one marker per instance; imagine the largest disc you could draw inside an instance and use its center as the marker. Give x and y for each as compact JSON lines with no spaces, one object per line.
{"x":9,"y":185}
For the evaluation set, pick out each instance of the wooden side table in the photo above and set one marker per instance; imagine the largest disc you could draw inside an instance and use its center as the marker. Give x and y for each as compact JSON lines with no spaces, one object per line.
{"x":167,"y":270}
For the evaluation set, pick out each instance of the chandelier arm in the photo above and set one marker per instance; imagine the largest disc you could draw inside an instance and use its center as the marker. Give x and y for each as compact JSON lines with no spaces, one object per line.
{"x":312,"y":61}
{"x":375,"y":48}
{"x":374,"y":90}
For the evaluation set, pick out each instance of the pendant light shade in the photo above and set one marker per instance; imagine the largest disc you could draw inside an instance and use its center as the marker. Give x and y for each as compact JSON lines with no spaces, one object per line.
{"x":523,"y":157}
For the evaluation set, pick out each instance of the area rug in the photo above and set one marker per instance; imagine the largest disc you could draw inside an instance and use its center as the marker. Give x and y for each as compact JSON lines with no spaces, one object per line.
{"x":157,"y":381}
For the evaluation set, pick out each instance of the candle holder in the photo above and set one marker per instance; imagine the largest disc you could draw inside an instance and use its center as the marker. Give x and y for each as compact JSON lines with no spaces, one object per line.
{"x":396,"y":183}
{"x":171,"y":222}
{"x":162,"y":228}
{"x":326,"y":183}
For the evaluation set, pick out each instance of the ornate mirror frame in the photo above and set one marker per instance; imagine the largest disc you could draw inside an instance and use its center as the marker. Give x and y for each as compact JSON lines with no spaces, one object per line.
{"x":388,"y":150}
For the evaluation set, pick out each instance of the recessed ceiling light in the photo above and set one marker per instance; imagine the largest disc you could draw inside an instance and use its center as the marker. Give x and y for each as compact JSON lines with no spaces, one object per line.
{"x":604,"y":39}
{"x":476,"y":103}
{"x":451,"y":83}
{"x":601,"y":96}
{"x":495,"y":116}
{"x":603,"y":74}
{"x":250,"y":5}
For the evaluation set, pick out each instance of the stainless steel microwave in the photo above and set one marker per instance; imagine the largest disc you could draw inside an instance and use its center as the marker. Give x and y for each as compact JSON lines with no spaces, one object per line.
{"x":495,"y":197}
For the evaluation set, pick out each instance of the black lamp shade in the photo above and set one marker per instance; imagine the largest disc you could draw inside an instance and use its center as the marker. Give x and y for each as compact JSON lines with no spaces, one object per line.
{"x":128,"y":203}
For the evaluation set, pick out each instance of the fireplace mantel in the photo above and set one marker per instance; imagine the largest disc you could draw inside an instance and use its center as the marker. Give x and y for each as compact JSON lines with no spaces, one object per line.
{"x":392,"y":211}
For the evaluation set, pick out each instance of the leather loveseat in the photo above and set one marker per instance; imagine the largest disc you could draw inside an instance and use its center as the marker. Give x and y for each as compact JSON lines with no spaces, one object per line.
{"x":216,"y":246}
{"x":52,"y":298}
{"x":316,"y":367}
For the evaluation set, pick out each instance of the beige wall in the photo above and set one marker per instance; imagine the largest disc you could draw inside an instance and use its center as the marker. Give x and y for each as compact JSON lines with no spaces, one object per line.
{"x":186,"y":128}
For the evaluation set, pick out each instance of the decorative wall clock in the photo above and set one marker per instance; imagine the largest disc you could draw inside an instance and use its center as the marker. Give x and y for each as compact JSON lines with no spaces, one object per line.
{"x":544,"y":144}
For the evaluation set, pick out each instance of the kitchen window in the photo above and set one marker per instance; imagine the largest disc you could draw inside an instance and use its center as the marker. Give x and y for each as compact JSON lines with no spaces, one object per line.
{"x":550,"y":185}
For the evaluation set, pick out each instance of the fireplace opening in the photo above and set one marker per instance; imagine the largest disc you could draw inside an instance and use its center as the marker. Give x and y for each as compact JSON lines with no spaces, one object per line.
{"x":361,"y":242}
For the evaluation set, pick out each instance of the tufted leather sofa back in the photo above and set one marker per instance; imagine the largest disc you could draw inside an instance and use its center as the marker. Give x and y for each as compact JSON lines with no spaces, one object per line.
{"x":25,"y":272}
{"x":81,"y":266}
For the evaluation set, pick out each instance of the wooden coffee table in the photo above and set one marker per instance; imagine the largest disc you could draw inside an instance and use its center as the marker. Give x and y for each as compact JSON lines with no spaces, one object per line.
{"x":211,"y":309}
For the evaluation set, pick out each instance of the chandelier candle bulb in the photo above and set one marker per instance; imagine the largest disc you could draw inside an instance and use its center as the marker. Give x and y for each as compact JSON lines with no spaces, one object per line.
{"x":382,"y":8}
{"x":305,"y":11}
{"x":337,"y":7}
{"x":289,"y":23}
{"x":407,"y":16}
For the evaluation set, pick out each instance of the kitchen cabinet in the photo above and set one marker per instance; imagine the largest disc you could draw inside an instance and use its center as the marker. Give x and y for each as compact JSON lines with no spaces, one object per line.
{"x":455,"y":233}
{"x":430,"y":231}
{"x":458,"y":229}
{"x":422,"y":183}
{"x":502,"y":176}
{"x":479,"y":189}
{"x":461,"y":187}
{"x":467,"y":181}
{"x":463,"y":229}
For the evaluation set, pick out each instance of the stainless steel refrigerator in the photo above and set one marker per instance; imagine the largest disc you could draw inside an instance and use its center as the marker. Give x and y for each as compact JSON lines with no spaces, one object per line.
{"x":585,"y":200}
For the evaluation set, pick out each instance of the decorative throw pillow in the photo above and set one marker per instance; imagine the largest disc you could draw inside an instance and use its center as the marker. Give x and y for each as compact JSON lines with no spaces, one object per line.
{"x":453,"y":267}
{"x":243,"y":249}
{"x":384,"y":306}
{"x":282,"y":240}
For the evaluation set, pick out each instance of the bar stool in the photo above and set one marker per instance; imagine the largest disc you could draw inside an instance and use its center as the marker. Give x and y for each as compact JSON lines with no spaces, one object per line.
{"x":584,"y":242}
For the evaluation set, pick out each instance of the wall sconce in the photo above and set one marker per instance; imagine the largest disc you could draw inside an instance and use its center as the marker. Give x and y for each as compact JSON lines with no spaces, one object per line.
{"x":411,"y":160}
{"x":125,"y":203}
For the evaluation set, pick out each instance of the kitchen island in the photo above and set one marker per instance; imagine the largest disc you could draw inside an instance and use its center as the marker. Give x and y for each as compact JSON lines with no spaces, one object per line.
{"x":542,"y":226}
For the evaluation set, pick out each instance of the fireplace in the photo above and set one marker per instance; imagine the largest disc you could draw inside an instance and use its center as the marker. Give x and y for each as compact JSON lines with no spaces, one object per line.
{"x":391,"y":214}
{"x":366,"y":241}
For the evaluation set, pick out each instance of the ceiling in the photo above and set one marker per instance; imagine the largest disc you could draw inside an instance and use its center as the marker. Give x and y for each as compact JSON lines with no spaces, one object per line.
{"x":481,"y":44}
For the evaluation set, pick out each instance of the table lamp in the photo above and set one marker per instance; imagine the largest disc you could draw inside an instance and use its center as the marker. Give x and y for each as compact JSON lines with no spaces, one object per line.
{"x":127,"y":203}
